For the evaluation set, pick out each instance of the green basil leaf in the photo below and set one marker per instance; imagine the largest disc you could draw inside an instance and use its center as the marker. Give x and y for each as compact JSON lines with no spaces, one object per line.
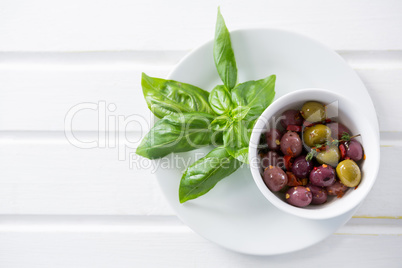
{"x":236,"y":140}
{"x":221,"y":123}
{"x":242,"y":155}
{"x":205,"y":173}
{"x":257,"y":95}
{"x":224,"y":57}
{"x":220,"y":100}
{"x":177,"y":133}
{"x":239,"y":112}
{"x":165,"y":97}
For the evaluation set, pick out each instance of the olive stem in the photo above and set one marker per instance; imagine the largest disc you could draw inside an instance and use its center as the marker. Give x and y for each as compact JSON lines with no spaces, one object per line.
{"x":355,"y":136}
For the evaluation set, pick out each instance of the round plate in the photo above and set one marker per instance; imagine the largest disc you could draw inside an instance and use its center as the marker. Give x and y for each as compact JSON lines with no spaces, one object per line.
{"x":235,"y":214}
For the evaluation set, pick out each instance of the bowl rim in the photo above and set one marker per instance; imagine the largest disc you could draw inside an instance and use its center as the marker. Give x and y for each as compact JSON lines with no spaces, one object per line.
{"x":316,"y":214}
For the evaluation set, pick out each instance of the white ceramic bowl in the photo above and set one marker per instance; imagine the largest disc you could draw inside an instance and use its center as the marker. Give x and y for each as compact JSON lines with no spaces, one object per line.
{"x":354,"y":119}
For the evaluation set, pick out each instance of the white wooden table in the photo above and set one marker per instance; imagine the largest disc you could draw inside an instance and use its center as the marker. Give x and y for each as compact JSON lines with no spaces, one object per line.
{"x":61,"y":206}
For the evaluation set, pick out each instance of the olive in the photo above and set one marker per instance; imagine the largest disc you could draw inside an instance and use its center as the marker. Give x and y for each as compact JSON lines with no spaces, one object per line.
{"x":313,"y":111}
{"x":338,"y":129}
{"x":330,"y":156}
{"x":337,"y":189}
{"x":291,"y":117}
{"x":317,"y":134}
{"x":322,"y":176}
{"x":301,"y":167}
{"x":291,"y":144}
{"x":273,"y":139}
{"x":299,"y":196}
{"x":354,"y":150}
{"x":349,"y":173}
{"x":275,"y":178}
{"x":320,"y":194}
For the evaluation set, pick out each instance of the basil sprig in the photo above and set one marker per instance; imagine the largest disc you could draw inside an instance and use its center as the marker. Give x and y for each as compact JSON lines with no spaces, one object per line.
{"x":192,"y":118}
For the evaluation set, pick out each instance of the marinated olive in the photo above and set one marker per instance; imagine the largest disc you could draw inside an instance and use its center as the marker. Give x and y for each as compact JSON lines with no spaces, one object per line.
{"x":320,"y":195}
{"x":330,"y":156}
{"x":291,"y":117}
{"x":275,"y":178}
{"x":301,"y":167}
{"x":291,"y":144}
{"x":317,"y":134}
{"x":322,"y":176}
{"x":313,"y":111}
{"x":299,"y":196}
{"x":354,"y":150}
{"x":348,"y":173}
{"x":272,"y":159}
{"x":337,"y":130}
{"x":337,"y":189}
{"x":273,"y":139}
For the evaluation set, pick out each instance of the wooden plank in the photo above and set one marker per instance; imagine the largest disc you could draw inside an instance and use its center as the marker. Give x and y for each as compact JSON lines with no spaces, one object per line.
{"x":44,"y":174}
{"x":159,"y":25}
{"x":48,"y":85}
{"x":99,"y":242}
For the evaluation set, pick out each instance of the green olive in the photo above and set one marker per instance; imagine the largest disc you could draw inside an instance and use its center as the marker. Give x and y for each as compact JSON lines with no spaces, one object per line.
{"x":313,"y":111}
{"x":349,"y":173}
{"x":330,"y":156}
{"x":317,"y":134}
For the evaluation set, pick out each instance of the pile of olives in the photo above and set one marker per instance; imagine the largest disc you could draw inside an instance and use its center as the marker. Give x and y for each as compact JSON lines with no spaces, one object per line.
{"x":309,"y":157}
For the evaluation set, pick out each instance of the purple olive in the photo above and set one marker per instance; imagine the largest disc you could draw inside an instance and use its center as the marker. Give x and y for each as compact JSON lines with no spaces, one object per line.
{"x":275,"y":178}
{"x":320,"y":195}
{"x":337,"y":189}
{"x":273,"y":138}
{"x":291,"y":117}
{"x":337,"y":130}
{"x":299,"y":196}
{"x":322,"y":176}
{"x":301,"y":167}
{"x":272,"y":159}
{"x":291,"y":144}
{"x":354,"y":150}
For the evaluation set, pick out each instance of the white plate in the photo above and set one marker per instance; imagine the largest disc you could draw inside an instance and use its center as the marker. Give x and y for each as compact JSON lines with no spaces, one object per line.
{"x":235,"y":214}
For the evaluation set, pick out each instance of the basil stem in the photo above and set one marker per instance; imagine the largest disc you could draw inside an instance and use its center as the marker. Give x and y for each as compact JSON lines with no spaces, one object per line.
{"x":236,"y":140}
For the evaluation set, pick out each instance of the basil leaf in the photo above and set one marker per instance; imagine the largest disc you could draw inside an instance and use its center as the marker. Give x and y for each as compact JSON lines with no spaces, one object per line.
{"x":242,"y":155}
{"x":205,"y":173}
{"x":177,"y":133}
{"x":257,"y":95}
{"x":236,"y":140}
{"x":220,"y":100}
{"x":239,"y":112}
{"x":165,"y":97}
{"x":224,"y":57}
{"x":221,"y":123}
